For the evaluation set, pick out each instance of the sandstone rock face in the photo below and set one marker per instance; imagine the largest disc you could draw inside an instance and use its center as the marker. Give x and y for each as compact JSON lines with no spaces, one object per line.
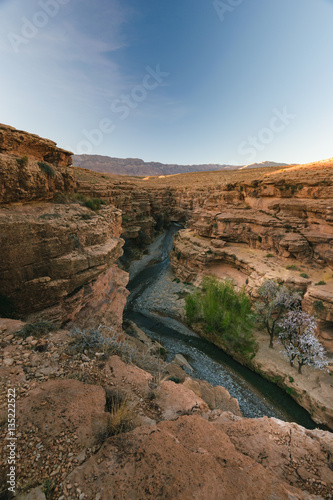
{"x":178,"y":399}
{"x":318,"y":301}
{"x":216,"y":397}
{"x":61,"y":257}
{"x":28,"y":182}
{"x":187,"y":458}
{"x":32,"y":168}
{"x":20,"y":143}
{"x":292,"y":453}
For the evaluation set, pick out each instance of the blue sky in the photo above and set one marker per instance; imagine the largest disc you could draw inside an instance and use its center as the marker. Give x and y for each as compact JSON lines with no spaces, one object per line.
{"x":176,"y":81}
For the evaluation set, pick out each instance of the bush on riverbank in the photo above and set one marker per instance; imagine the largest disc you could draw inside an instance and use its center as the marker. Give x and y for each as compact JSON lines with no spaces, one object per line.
{"x":224,"y":312}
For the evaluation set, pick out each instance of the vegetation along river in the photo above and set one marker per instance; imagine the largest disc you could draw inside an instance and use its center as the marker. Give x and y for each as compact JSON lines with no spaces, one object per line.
{"x":257,"y":397}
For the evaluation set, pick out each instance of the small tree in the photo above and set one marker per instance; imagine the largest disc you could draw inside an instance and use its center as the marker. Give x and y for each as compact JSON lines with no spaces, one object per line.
{"x":225,"y":312}
{"x":274,"y":301}
{"x":298,"y":338}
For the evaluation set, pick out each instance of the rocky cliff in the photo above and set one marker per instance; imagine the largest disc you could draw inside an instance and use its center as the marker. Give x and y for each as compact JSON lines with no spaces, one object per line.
{"x":57,"y":259}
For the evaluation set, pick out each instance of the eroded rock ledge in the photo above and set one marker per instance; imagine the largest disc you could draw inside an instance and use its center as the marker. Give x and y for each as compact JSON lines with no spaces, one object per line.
{"x":58,"y":261}
{"x":184,"y":443}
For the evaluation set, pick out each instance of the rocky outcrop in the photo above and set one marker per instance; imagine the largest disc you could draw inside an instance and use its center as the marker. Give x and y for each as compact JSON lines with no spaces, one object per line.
{"x":19,"y":143}
{"x":216,"y":397}
{"x":24,"y":180}
{"x":189,"y":458}
{"x":181,"y":445}
{"x":32,"y":168}
{"x":59,"y":259}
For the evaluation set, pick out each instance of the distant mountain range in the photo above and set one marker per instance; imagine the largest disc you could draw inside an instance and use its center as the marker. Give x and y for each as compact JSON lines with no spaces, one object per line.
{"x":264,"y":164}
{"x":138,"y":167}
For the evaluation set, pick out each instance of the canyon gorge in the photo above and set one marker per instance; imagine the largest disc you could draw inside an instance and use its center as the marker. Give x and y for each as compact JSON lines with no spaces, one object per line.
{"x":65,"y":263}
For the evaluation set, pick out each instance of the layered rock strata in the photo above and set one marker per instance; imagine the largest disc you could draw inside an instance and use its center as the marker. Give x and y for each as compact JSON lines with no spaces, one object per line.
{"x":58,"y":261}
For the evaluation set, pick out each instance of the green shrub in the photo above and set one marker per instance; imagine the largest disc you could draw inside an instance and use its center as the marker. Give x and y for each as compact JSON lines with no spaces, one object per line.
{"x":225,"y":312}
{"x":61,"y":198}
{"x":269,"y":255}
{"x":178,"y":255}
{"x":23,"y":161}
{"x":48,"y":488}
{"x":93,"y":203}
{"x":259,"y":239}
{"x":46,"y":168}
{"x":320,"y":283}
{"x":304,"y":275}
{"x":293,"y":267}
{"x":176,"y":380}
{"x":318,"y":306}
{"x":37,"y":330}
{"x":192,"y":307}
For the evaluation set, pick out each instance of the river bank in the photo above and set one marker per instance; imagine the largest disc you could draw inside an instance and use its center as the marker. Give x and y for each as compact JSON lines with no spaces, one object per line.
{"x":164,"y":299}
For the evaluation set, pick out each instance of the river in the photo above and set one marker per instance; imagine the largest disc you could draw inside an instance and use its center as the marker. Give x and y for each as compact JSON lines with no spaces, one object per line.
{"x":257,"y":397}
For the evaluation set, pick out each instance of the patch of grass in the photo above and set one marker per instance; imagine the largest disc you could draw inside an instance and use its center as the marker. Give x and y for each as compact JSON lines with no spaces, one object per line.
{"x":61,"y":198}
{"x":318,"y":306}
{"x":37,"y":330}
{"x":94,"y":204}
{"x":269,"y":255}
{"x":293,"y":267}
{"x":320,"y":283}
{"x":46,"y":168}
{"x":23,"y":161}
{"x":48,"y":488}
{"x":291,"y":380}
{"x":122,"y":414}
{"x":304,"y":275}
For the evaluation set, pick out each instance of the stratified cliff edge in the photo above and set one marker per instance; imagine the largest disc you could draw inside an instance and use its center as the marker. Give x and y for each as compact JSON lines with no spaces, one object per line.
{"x":57,"y":259}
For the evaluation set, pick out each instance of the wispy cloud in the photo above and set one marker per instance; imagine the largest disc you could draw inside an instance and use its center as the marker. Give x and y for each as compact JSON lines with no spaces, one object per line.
{"x":73,"y":42}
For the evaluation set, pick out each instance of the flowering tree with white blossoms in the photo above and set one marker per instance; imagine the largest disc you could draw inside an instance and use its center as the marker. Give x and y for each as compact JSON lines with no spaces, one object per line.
{"x":298,"y":338}
{"x":274,"y":301}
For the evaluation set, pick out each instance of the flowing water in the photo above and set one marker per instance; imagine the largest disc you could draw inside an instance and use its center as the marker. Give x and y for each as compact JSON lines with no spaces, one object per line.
{"x":256,"y":396}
